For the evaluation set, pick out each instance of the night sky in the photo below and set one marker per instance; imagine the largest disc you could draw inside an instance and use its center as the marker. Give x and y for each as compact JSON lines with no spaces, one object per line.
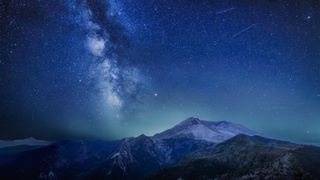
{"x":115,"y":68}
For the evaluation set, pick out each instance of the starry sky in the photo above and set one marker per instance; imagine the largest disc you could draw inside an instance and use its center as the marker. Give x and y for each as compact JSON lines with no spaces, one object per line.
{"x":115,"y":68}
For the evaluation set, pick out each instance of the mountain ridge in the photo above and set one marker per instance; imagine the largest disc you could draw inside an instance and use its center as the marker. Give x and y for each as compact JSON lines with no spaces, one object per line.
{"x":247,"y":157}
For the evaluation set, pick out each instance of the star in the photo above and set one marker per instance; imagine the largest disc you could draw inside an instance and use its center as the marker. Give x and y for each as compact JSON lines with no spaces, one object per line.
{"x":155,"y":94}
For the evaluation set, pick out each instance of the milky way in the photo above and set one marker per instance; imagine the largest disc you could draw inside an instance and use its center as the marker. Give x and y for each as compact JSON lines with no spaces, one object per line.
{"x":108,"y":42}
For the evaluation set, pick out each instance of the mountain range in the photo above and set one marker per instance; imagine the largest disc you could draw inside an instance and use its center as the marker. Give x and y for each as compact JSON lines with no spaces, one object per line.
{"x":193,"y":149}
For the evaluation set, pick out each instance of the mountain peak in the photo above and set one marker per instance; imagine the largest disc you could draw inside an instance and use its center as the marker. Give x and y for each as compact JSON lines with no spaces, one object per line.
{"x":212,"y":131}
{"x":190,"y":121}
{"x":142,"y":136}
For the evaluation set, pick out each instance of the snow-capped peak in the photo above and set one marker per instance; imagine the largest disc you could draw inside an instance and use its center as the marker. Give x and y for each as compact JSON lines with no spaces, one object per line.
{"x":212,"y":131}
{"x":190,"y":121}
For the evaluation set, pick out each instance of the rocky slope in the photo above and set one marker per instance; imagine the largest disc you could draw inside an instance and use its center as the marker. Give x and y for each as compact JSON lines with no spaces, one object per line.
{"x":248,"y":157}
